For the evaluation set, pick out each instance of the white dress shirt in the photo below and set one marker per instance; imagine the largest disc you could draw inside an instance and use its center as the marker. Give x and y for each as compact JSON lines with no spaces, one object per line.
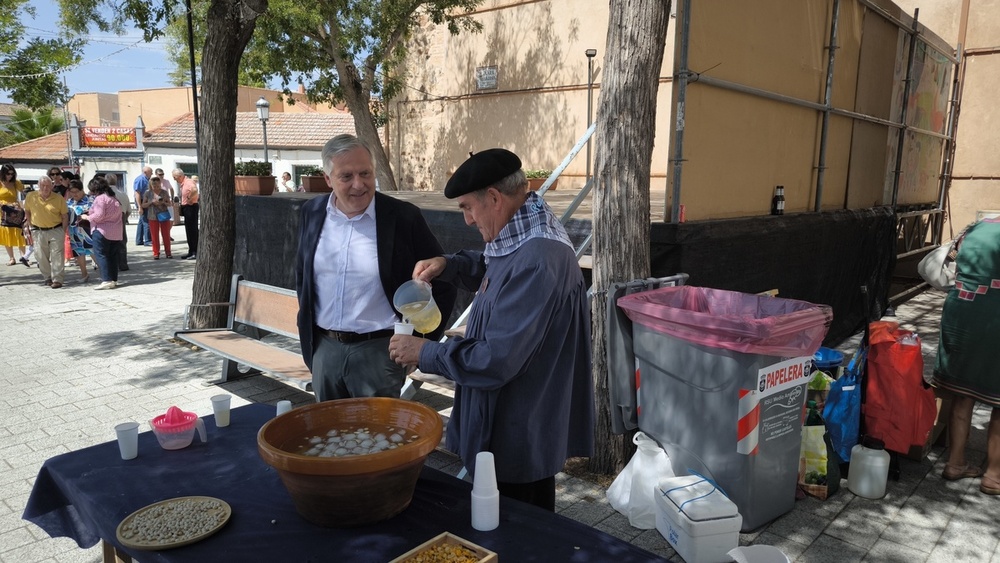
{"x":349,"y":294}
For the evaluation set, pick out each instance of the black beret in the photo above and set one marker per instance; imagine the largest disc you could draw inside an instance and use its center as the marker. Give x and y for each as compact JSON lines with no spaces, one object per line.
{"x":481,"y":171}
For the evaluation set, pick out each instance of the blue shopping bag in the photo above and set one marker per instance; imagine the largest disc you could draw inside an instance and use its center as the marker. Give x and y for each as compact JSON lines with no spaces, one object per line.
{"x":842,"y":412}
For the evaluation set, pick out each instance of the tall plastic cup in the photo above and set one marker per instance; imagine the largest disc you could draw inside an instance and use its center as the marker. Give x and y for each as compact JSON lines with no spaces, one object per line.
{"x":415,"y":303}
{"x":220,"y":407}
{"x":485,"y":495}
{"x":128,"y":439}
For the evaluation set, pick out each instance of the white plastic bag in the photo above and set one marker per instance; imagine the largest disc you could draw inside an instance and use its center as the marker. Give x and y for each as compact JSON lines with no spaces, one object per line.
{"x":632,"y":492}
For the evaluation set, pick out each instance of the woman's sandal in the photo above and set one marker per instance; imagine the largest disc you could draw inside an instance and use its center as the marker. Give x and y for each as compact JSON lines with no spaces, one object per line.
{"x":952,"y":473}
{"x":993,"y":488}
{"x":12,"y":262}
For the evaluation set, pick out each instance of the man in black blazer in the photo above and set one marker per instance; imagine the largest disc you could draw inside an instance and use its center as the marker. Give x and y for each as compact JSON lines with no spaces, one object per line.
{"x":356,"y":248}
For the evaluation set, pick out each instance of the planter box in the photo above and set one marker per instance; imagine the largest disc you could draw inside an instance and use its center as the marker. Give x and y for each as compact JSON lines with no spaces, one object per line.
{"x":315,"y":184}
{"x":535,"y":184}
{"x":254,"y":185}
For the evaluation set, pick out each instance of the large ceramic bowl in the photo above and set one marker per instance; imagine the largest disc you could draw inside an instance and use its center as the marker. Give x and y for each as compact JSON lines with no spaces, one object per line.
{"x":352,"y":490}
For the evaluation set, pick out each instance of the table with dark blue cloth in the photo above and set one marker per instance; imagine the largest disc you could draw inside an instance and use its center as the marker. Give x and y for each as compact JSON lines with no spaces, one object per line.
{"x":85,"y":494}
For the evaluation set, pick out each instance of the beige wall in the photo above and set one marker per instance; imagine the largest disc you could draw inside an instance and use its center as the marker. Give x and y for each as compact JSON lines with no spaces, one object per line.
{"x":160,"y":105}
{"x":156,"y":105}
{"x":97,"y":109}
{"x":539,"y":108}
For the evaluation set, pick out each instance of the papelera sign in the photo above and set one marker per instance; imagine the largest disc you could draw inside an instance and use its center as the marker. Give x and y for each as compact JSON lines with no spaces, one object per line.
{"x":109,"y":137}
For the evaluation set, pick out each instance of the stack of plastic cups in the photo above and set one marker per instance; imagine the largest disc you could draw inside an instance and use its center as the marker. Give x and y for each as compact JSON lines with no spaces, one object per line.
{"x":485,"y":495}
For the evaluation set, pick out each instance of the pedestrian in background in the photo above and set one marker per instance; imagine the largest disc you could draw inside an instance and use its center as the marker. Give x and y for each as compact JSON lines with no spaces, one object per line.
{"x":48,"y":216}
{"x":81,"y":245}
{"x":10,"y":190}
{"x":156,"y":206}
{"x":139,"y":187}
{"x":286,"y":184}
{"x":189,"y":211}
{"x":126,"y":204}
{"x":106,"y":230}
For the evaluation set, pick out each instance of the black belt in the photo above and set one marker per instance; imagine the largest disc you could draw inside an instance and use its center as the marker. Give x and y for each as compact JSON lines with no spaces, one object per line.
{"x":354,"y":337}
{"x":37,"y":228}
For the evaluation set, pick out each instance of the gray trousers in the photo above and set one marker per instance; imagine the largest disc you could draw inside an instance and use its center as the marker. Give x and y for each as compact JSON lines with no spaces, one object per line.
{"x":50,"y":255}
{"x":341,"y":371}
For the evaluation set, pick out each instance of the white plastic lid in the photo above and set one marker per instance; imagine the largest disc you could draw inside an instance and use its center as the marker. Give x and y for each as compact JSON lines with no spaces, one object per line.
{"x":697,"y":498}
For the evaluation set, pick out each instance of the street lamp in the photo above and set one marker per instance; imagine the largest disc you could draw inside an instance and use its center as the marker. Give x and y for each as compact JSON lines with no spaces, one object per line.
{"x":263,"y":112}
{"x":591,"y":53}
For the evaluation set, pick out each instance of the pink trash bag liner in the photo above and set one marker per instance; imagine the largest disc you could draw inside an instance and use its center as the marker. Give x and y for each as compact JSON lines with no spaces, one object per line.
{"x":741,"y":322}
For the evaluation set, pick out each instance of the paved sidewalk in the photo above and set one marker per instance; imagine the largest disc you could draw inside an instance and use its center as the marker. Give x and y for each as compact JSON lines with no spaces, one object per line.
{"x":77,"y":361}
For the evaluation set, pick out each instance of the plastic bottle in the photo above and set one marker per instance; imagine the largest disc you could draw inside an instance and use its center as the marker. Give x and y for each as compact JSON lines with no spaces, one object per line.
{"x":869,"y":469}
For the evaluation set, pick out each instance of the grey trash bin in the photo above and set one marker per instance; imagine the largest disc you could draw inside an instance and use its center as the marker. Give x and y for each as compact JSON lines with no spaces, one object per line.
{"x":721,"y":383}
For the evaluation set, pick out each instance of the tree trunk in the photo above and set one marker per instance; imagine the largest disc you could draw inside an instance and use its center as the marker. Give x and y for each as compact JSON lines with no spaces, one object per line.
{"x":230,"y":25}
{"x":357,"y":97}
{"x":626,"y":120}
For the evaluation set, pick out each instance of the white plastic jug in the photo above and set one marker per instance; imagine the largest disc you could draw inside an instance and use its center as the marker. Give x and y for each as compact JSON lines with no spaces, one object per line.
{"x":869,"y":469}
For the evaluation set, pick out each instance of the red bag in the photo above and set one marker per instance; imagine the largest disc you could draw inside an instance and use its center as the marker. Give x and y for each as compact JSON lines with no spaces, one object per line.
{"x":898,"y":408}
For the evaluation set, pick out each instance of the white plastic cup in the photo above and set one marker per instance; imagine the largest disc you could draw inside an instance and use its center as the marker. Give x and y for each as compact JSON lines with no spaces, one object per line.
{"x":128,"y":439}
{"x":283,"y":407}
{"x":403,"y":328}
{"x":485,"y":495}
{"x":220,"y":406}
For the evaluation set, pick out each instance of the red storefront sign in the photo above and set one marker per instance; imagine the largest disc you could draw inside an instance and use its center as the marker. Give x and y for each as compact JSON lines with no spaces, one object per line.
{"x":104,"y":137}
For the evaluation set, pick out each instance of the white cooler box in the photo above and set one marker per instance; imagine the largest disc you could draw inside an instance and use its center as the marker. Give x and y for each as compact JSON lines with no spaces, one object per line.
{"x":700,"y":522}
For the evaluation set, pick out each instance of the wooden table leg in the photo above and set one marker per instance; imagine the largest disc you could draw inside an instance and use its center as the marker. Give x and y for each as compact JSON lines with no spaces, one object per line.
{"x":113,"y":555}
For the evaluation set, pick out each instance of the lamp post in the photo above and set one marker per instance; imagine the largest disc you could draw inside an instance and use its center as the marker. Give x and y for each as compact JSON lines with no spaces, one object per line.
{"x":263,"y":112}
{"x":591,"y":53}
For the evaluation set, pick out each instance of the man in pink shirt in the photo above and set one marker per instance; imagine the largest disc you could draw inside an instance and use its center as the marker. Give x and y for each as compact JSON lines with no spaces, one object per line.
{"x":189,"y":211}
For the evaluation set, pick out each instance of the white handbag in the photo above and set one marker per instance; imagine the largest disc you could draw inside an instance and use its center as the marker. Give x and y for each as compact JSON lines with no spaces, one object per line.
{"x":937,"y":269}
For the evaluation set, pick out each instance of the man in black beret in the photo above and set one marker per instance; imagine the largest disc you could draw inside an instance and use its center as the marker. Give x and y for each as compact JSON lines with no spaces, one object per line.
{"x":522,"y":370}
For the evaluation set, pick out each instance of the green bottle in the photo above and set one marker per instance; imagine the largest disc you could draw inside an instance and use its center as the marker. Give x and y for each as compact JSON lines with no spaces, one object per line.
{"x":812,"y":417}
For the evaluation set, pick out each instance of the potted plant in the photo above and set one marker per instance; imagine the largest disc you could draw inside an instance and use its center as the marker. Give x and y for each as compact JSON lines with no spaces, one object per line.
{"x":537,"y":177}
{"x":314,"y":181}
{"x":254,"y":178}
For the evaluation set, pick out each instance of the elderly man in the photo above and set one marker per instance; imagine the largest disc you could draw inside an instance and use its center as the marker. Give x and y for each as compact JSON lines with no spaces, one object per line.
{"x":139,"y":187}
{"x":356,"y":247}
{"x":47,"y":214}
{"x":522,"y":370}
{"x":189,"y":211}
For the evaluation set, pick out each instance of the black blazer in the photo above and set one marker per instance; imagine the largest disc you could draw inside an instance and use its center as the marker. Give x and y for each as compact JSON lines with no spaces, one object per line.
{"x":403,"y":238}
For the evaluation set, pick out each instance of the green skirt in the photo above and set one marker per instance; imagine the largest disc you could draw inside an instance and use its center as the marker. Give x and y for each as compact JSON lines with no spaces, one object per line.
{"x":968,"y":361}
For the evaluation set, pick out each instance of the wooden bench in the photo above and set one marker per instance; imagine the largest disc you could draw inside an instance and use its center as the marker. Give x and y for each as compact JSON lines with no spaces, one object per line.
{"x":256,"y":310}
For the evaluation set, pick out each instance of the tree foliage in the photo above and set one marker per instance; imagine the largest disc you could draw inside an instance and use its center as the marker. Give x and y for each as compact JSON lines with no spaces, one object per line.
{"x":348,"y":51}
{"x":29,"y":68}
{"x":229,"y":25}
{"x":26,"y":124}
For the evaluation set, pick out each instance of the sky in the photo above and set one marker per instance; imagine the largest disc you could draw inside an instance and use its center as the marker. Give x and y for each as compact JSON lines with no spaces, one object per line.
{"x":110,"y":62}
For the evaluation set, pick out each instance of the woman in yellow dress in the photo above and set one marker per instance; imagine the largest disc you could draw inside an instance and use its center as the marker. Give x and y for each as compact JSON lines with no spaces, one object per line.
{"x":10,"y":188}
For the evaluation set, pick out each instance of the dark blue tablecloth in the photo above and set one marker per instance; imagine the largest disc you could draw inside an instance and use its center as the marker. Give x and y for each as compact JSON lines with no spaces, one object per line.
{"x":85,"y":494}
